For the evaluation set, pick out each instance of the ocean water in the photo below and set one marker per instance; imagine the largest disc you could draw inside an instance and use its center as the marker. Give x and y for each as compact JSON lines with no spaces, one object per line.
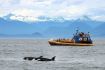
{"x":12,"y":52}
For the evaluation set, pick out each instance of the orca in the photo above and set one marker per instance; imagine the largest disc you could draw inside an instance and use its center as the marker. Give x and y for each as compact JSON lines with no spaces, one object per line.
{"x":38,"y":57}
{"x":31,"y":58}
{"x":47,"y":59}
{"x":28,"y":58}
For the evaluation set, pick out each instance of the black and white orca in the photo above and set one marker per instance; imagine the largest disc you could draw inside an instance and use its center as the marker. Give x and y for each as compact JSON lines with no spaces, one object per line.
{"x":47,"y":59}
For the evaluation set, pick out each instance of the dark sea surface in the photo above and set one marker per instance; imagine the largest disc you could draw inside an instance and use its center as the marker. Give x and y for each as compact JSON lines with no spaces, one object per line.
{"x":12,"y":52}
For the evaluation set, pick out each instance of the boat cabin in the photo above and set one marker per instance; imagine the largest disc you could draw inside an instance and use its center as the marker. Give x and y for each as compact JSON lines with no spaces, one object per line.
{"x":81,"y":37}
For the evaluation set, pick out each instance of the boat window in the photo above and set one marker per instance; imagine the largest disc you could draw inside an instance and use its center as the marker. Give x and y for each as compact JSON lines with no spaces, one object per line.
{"x":85,"y":39}
{"x":80,"y":39}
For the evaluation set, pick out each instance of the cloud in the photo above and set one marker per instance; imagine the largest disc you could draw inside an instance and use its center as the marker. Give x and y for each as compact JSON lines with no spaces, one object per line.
{"x":54,"y":8}
{"x":26,"y":15}
{"x":27,"y":12}
{"x":100,"y":17}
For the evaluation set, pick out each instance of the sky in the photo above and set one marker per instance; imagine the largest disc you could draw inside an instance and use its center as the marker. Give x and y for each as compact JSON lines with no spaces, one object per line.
{"x":68,"y":9}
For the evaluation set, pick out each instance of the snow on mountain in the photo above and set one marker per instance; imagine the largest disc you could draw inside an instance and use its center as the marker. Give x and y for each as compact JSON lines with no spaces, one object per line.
{"x":20,"y":18}
{"x":25,"y":18}
{"x":49,"y":27}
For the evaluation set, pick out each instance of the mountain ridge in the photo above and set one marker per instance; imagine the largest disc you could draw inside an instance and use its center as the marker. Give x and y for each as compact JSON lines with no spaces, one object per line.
{"x":50,"y":28}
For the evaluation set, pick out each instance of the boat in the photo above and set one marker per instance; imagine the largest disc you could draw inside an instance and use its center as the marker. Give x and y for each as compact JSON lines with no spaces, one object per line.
{"x":78,"y":39}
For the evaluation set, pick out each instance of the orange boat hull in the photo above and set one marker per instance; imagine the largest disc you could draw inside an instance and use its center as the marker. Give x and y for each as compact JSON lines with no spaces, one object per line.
{"x":68,"y":44}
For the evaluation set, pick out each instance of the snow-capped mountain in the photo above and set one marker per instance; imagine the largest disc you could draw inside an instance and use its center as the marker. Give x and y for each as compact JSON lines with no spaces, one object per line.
{"x":48,"y":27}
